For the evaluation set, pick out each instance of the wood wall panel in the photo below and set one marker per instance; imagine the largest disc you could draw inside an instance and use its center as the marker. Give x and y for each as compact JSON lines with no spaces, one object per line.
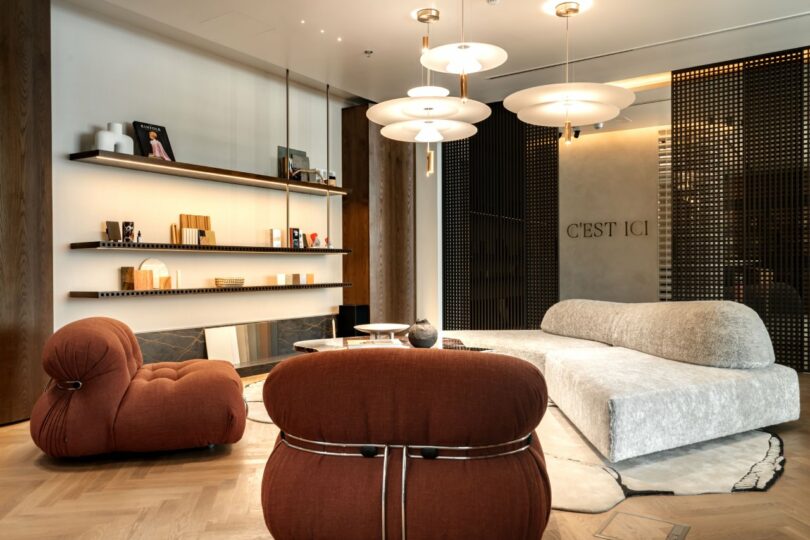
{"x":26,"y":286}
{"x":379,"y":220}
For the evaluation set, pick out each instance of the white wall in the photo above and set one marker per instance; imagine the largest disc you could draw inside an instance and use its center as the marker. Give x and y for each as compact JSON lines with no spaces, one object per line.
{"x":216,"y":113}
{"x":428,"y":239}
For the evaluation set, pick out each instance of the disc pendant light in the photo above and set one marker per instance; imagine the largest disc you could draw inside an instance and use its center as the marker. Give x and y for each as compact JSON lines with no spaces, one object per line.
{"x":569,"y":104}
{"x":463,"y":58}
{"x":428,"y":114}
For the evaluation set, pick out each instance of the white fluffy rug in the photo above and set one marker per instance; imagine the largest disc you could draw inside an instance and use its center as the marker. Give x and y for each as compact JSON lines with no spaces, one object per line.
{"x":582,"y":481}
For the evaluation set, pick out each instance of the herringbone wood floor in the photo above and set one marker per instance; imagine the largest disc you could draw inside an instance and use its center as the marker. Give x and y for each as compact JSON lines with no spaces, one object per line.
{"x":215,"y":494}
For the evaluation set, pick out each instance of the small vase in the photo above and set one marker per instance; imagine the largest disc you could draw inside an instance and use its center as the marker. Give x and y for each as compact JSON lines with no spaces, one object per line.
{"x":113,"y":139}
{"x":422,"y":334}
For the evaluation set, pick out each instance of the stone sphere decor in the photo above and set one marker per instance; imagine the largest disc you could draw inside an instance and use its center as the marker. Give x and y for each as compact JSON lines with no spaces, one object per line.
{"x":422,"y":334}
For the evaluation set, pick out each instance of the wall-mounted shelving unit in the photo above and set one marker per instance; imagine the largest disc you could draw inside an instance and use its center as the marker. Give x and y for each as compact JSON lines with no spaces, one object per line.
{"x":190,"y":248}
{"x":204,"y":290}
{"x":203,"y":172}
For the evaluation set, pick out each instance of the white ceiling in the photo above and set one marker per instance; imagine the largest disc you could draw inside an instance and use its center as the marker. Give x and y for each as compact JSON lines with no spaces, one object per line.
{"x":630,"y":38}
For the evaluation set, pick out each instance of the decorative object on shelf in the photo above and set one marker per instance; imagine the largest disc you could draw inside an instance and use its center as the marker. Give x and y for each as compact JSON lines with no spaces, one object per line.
{"x":332,"y":182}
{"x":177,"y":279}
{"x":221,"y":343}
{"x":226,"y":282}
{"x":298,"y":161}
{"x":208,"y":238}
{"x":153,"y":141}
{"x":278,"y":279}
{"x":136,"y":280}
{"x":569,"y":104}
{"x":165,"y":283}
{"x":129,"y":231}
{"x":294,"y":238}
{"x":139,"y":238}
{"x":311,"y":280}
{"x":188,"y":221}
{"x":113,"y":230}
{"x":314,"y":241}
{"x":276,"y":238}
{"x":159,"y":270}
{"x":422,"y":334}
{"x":292,"y":279}
{"x":428,"y":114}
{"x":175,"y":234}
{"x":382,"y":330}
{"x":113,"y":139}
{"x":191,"y":237}
{"x":196,"y":230}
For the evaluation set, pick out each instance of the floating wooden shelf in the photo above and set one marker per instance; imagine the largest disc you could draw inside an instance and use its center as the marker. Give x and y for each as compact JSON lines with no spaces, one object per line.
{"x":186,"y":248}
{"x":202,"y":172}
{"x":205,"y":290}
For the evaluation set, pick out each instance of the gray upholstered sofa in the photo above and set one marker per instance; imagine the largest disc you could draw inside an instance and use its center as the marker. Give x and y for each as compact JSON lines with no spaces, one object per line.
{"x":641,"y":378}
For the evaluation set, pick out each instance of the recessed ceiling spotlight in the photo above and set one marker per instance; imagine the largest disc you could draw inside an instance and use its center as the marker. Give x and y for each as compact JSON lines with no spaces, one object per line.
{"x":323,"y":31}
{"x":340,"y":38}
{"x":303,"y":21}
{"x":552,"y":7}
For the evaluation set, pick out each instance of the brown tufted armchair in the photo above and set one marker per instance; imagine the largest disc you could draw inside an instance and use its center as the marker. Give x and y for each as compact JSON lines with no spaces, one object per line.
{"x":465,"y":421}
{"x":102,"y":398}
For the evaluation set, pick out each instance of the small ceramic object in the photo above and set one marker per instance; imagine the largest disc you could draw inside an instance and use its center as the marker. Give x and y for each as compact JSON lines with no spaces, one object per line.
{"x":422,"y":334}
{"x":113,"y":139}
{"x":381,"y":330}
{"x":158,"y":268}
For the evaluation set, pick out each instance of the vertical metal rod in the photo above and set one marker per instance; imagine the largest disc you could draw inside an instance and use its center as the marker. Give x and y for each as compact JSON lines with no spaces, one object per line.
{"x":287,"y":229}
{"x":384,"y":488}
{"x":287,"y":116}
{"x":404,"y":477}
{"x":328,"y":219}
{"x":287,"y":145}
{"x":328,"y":201}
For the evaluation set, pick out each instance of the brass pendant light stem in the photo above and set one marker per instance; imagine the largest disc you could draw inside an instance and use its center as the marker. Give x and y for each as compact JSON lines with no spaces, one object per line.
{"x":463,"y":86}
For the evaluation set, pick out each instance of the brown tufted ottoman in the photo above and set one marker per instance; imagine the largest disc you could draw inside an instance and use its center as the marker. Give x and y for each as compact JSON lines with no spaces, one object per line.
{"x":103,"y":399}
{"x":465,"y":420}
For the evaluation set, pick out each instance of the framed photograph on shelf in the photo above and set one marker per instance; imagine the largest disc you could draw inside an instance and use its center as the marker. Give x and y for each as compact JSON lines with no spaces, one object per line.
{"x":153,"y":141}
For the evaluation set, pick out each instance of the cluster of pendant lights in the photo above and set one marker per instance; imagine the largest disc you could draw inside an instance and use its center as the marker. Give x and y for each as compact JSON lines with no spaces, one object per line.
{"x":429,"y":114}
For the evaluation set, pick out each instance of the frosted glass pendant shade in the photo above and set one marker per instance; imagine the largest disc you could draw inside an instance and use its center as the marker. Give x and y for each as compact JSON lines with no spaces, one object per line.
{"x":468,"y":57}
{"x":428,"y":108}
{"x":428,"y":91}
{"x":578,"y":103}
{"x":429,"y":131}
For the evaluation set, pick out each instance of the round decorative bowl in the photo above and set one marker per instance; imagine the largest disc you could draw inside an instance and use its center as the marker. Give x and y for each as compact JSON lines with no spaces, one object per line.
{"x":382,"y":330}
{"x":226,"y":282}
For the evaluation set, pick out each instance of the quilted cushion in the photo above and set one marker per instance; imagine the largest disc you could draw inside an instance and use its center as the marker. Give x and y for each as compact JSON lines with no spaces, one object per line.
{"x":181,"y":405}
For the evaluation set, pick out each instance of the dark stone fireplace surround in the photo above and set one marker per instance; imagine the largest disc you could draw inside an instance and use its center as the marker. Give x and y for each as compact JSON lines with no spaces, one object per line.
{"x":189,"y":343}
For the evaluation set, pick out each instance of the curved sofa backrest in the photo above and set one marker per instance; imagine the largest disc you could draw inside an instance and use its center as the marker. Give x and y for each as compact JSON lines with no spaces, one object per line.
{"x":406,"y":396}
{"x":582,"y":319}
{"x":91,"y":363}
{"x":711,"y":333}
